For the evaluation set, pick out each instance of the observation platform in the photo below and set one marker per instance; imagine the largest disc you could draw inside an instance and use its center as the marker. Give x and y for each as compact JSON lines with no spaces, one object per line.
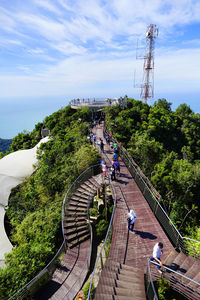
{"x":93,"y":104}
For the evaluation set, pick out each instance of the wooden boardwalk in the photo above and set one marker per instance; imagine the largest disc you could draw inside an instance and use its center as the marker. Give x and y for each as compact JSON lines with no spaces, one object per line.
{"x":128,"y":248}
{"x":128,"y":251}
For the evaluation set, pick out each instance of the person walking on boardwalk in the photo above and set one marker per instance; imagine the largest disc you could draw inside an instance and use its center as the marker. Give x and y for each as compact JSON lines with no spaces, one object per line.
{"x":157,"y":251}
{"x":115,"y":156}
{"x":117,"y":167}
{"x":104,"y":169}
{"x":101,"y":145}
{"x":131,"y":220}
{"x":112,"y":173}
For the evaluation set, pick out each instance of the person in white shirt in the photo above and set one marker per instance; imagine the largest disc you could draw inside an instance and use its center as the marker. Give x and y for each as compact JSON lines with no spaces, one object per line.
{"x":157,"y":251}
{"x":131,"y":220}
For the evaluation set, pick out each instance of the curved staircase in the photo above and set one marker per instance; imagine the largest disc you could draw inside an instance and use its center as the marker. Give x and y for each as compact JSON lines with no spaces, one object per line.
{"x":70,"y":274}
{"x":76,"y":227}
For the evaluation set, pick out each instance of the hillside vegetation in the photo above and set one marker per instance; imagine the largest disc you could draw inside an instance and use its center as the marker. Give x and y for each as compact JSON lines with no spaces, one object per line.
{"x":35,"y":205}
{"x":166,"y":146}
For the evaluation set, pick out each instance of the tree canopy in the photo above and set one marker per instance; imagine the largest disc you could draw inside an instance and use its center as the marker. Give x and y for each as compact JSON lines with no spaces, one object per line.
{"x":166,"y":145}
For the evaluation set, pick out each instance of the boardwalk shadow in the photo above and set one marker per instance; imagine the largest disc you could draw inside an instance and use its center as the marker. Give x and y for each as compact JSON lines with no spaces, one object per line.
{"x":146,"y":235}
{"x":175,"y":267}
{"x":125,"y":176}
{"x":47,"y":291}
{"x":63,"y":268}
{"x":122,"y":181}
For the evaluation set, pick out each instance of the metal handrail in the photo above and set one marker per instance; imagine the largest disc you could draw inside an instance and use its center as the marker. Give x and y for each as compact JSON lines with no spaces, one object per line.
{"x":151,"y":281}
{"x":180,"y":238}
{"x":179,"y":274}
{"x":108,"y":230}
{"x":89,"y":254}
{"x":147,"y":187}
{"x":177,"y":238}
{"x":63,"y":245}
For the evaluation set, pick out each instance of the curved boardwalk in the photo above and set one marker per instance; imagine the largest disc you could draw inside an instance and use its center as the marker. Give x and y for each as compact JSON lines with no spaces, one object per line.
{"x":133,"y":249}
{"x":129,"y":252}
{"x":127,"y":261}
{"x":70,"y":274}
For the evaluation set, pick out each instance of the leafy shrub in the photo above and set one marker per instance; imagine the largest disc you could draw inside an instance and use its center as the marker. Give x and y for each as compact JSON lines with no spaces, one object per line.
{"x":101,"y":228}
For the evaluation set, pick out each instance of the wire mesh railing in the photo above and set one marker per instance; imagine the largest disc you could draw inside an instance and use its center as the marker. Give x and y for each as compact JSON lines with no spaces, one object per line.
{"x":45,"y":274}
{"x":184,"y":285}
{"x":186,"y":245}
{"x":150,"y":288}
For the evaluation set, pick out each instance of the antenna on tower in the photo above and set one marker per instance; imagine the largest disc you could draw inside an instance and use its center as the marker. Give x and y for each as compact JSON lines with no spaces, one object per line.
{"x":147,"y":87}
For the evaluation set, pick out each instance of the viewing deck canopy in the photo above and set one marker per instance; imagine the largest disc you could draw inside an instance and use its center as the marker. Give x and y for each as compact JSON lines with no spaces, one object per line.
{"x":94,"y":103}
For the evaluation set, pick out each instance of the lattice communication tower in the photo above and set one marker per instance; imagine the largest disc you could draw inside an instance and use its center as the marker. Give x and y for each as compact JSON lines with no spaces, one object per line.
{"x":147,"y":87}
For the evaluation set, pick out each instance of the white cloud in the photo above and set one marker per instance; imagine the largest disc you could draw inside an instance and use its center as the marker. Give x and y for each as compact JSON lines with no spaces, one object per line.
{"x":46,"y":27}
{"x":10,"y":42}
{"x":98,"y":39}
{"x":68,"y":48}
{"x":48,"y":5}
{"x":83,"y":74}
{"x":36,"y":51}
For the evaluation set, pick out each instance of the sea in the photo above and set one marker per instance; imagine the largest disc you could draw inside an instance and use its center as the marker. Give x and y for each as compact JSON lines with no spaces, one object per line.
{"x":17,"y":115}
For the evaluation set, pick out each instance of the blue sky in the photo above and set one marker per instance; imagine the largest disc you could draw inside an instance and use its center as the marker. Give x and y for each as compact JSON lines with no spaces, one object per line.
{"x":52,"y":51}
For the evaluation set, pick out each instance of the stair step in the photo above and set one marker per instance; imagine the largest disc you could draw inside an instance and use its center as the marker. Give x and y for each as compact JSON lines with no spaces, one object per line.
{"x":80,"y":194}
{"x":197,"y":279}
{"x":79,"y":199}
{"x":89,"y":188}
{"x":108,"y":274}
{"x":107,"y":281}
{"x":112,"y":268}
{"x":104,"y":297}
{"x":78,"y":204}
{"x":76,"y":214}
{"x":186,"y":264}
{"x":128,"y":298}
{"x":76,"y":236}
{"x":110,"y":262}
{"x":193,"y":271}
{"x":90,"y":184}
{"x":71,"y":219}
{"x":171,"y":258}
{"x":83,"y":190}
{"x":130,"y":273}
{"x":78,"y":241}
{"x":75,"y":208}
{"x":130,"y":292}
{"x":74,"y":224}
{"x":104,"y":289}
{"x":176,"y":264}
{"x":130,"y":285}
{"x":132,"y":269}
{"x":123,"y":278}
{"x":75,"y":230}
{"x":93,"y":181}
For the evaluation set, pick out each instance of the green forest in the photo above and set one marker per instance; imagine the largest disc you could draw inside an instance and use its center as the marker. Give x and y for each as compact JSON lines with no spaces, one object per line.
{"x":164,"y":143}
{"x":166,"y":146}
{"x":35,"y":205}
